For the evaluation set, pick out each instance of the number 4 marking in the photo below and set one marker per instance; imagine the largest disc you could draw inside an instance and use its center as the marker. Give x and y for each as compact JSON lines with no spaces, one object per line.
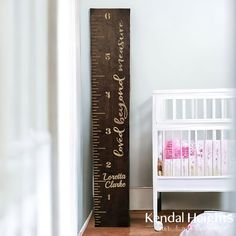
{"x":108,"y":95}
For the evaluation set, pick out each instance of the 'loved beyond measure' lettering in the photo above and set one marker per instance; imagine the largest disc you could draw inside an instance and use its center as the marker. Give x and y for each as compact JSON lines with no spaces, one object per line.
{"x":122,"y":114}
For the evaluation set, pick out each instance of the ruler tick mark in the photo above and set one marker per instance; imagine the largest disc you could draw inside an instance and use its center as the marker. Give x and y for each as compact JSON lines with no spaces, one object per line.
{"x":100,"y":148}
{"x":99,"y":36}
{"x":98,"y":76}
{"x":99,"y":113}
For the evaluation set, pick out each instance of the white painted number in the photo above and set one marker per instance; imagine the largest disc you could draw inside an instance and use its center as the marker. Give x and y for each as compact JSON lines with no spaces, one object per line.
{"x":107,"y":15}
{"x":109,"y":197}
{"x":108,"y":56}
{"x":108,"y":164}
{"x":108,"y":95}
{"x":108,"y":131}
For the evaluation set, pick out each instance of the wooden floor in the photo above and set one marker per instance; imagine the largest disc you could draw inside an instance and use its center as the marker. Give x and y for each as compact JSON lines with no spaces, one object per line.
{"x":138,"y":227}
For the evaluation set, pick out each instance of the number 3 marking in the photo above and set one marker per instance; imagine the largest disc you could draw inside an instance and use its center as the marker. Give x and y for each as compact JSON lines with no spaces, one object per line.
{"x":108,"y":131}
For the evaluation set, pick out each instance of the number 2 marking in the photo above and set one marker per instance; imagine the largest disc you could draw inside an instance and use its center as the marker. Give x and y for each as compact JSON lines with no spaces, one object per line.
{"x":108,"y":164}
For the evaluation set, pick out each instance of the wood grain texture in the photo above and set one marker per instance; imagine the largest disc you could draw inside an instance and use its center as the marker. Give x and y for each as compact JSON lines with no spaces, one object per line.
{"x":110,"y":77}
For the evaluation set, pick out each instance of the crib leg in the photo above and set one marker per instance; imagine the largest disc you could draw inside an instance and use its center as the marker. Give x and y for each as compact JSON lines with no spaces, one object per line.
{"x":155,"y":208}
{"x":159,"y":201}
{"x":158,"y":226}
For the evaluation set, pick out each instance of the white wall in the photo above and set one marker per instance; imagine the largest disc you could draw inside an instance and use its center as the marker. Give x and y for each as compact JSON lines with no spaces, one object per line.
{"x":174,"y":44}
{"x":25,"y":181}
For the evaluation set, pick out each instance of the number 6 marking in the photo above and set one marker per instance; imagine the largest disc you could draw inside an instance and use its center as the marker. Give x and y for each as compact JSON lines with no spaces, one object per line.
{"x":107,"y":15}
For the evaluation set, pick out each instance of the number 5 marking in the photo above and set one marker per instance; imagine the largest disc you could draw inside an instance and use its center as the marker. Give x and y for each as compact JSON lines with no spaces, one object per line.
{"x":108,"y":56}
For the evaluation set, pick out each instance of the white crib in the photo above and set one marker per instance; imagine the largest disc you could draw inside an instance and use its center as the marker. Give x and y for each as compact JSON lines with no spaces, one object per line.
{"x":192,"y":141}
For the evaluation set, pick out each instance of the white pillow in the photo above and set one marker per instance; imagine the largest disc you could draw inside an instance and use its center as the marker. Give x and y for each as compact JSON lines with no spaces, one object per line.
{"x":211,"y":223}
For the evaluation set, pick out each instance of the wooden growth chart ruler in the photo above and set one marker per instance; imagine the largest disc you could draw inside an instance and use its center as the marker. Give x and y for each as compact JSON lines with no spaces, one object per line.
{"x":110,"y":72}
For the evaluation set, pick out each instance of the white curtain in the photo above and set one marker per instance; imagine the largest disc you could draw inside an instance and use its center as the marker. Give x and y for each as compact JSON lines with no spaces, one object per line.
{"x":25,"y":182}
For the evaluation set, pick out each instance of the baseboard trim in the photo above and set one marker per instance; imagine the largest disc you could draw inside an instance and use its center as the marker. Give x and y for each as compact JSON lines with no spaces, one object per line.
{"x":81,"y":232}
{"x":141,"y":198}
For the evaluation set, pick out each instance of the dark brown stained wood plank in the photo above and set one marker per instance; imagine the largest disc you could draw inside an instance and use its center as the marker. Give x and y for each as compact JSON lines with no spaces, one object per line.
{"x":110,"y":80}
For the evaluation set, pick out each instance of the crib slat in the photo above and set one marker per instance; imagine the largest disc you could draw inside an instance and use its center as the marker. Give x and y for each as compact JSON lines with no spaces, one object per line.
{"x":214,"y":135}
{"x":174,"y":109}
{"x":196,"y":145}
{"x":204,"y":109}
{"x":196,"y":109}
{"x":222,"y":134}
{"x":213,"y":108}
{"x":160,"y":152}
{"x":221,"y":148}
{"x":172,"y":152}
{"x":192,"y":108}
{"x":163,"y":153}
{"x":204,"y":153}
{"x":231,"y":115}
{"x":222,"y":108}
{"x":189,"y":149}
{"x":181,"y":153}
{"x":183,"y":109}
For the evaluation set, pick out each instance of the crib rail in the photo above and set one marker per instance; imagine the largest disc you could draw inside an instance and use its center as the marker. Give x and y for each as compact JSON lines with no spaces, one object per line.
{"x":194,"y":125}
{"x":197,"y":121}
{"x":194,"y":104}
